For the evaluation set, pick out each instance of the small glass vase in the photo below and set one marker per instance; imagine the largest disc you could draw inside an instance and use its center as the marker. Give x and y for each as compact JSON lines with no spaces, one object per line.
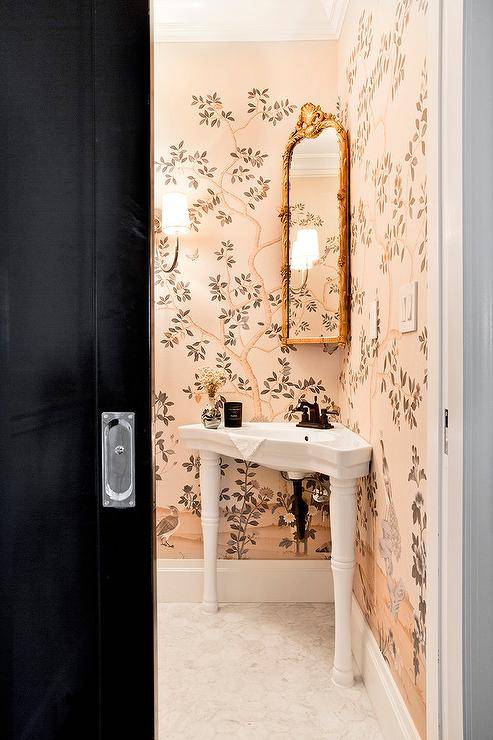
{"x":211,"y":415}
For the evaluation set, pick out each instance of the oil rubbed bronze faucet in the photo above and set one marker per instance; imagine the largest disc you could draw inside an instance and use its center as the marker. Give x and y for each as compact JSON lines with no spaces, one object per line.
{"x":312,"y":417}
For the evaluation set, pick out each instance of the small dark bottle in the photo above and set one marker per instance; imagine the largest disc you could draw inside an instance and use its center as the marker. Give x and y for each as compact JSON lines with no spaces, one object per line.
{"x":232,"y":413}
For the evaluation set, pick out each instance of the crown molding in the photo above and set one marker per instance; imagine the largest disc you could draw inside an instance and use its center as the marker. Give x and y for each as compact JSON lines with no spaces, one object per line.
{"x":223,"y":32}
{"x":315,"y":165}
{"x":336,"y":13}
{"x":314,"y":173}
{"x":195,"y":33}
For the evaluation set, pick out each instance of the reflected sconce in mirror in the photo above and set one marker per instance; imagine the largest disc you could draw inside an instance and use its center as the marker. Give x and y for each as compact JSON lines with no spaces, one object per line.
{"x":314,"y":213}
{"x":175,"y":221}
{"x":305,"y":252}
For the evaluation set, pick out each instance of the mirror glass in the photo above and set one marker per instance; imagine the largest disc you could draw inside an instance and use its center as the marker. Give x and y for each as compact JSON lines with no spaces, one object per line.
{"x":314,"y":238}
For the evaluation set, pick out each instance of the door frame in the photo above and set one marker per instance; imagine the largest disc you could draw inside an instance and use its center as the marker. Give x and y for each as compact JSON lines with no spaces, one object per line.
{"x":445,"y":315}
{"x":451,"y":518}
{"x":434,"y":409}
{"x":445,"y":371}
{"x":445,"y":319}
{"x":152,"y":351}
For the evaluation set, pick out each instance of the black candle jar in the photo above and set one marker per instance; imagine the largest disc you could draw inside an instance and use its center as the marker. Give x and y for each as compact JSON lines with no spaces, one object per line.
{"x":232,"y":413}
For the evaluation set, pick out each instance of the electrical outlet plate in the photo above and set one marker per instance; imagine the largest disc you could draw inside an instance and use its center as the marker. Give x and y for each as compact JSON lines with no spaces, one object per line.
{"x":408,"y":307}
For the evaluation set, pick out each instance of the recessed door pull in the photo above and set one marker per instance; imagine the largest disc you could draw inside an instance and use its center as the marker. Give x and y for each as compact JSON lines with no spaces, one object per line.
{"x":118,"y":459}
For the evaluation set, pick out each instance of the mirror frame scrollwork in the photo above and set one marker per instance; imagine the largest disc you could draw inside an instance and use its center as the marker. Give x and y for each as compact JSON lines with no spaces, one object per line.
{"x":311,"y":122}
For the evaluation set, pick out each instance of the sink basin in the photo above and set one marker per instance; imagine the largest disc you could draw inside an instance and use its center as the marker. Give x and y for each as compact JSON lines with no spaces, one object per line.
{"x":337,"y":452}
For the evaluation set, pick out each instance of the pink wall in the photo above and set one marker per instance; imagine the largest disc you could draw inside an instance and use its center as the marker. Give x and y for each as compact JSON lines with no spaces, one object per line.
{"x":383,"y":104}
{"x":222,"y":307}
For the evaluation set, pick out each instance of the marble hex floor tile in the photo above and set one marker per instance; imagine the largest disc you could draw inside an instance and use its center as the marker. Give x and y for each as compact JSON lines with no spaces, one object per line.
{"x":255,"y":671}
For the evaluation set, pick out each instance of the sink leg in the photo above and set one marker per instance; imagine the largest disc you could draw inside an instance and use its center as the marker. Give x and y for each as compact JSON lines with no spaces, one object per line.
{"x":343,"y":530}
{"x":210,"y":488}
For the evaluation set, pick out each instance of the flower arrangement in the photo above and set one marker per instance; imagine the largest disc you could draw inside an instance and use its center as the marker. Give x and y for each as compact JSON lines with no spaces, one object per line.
{"x":211,"y":380}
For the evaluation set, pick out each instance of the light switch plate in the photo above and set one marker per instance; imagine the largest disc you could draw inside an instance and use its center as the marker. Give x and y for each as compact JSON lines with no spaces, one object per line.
{"x":408,"y":307}
{"x":374,"y":320}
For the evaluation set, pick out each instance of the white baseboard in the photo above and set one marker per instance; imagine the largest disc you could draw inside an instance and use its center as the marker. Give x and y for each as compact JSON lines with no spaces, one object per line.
{"x":389,"y":706}
{"x":247,"y":580}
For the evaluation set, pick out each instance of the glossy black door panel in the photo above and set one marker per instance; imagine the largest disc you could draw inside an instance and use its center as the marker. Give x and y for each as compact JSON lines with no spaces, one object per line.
{"x":76,"y":581}
{"x":122,"y":173}
{"x":49,"y":533}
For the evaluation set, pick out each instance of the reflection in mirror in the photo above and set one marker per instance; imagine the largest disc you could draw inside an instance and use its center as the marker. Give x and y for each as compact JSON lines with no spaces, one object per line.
{"x":314,"y":237}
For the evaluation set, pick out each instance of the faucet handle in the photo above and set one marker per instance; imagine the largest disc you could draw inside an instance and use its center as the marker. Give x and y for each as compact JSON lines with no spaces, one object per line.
{"x":303,"y":407}
{"x":324,"y":419}
{"x":330,"y":412}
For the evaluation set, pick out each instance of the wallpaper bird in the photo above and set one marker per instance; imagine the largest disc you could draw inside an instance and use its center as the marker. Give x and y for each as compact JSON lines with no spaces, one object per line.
{"x":168,"y":526}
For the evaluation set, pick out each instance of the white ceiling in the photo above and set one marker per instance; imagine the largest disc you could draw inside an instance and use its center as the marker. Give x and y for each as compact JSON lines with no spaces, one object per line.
{"x":248,"y":20}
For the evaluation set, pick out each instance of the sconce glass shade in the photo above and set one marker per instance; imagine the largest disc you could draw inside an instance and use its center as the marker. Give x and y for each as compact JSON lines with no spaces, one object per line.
{"x":308,"y":238}
{"x":176,"y":219}
{"x":305,"y":251}
{"x":298,"y":260}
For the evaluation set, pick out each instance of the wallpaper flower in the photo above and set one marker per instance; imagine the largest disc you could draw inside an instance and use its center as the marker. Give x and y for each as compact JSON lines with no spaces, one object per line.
{"x":383,"y":104}
{"x":221,"y":142}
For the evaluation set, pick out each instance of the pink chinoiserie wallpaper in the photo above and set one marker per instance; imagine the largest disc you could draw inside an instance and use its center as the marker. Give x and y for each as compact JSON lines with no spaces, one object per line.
{"x":383,"y":103}
{"x":223,"y":114}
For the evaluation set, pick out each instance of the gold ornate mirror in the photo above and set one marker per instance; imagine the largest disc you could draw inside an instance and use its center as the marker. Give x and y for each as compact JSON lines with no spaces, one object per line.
{"x":315,"y":230}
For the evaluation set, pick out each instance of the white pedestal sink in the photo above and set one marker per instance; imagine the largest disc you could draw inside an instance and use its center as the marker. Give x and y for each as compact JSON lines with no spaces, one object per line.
{"x":337,"y":452}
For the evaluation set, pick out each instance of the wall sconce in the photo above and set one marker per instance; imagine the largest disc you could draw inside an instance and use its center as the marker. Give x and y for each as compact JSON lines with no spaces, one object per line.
{"x":304,"y":253}
{"x":175,"y":220}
